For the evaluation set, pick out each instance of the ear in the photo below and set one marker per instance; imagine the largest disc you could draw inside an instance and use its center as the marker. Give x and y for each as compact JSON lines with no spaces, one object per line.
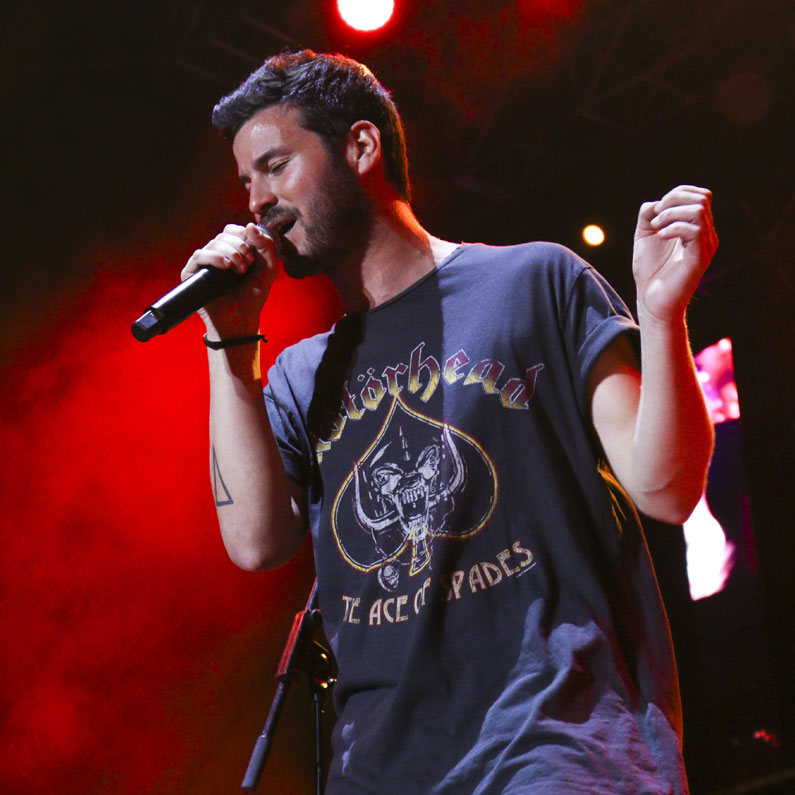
{"x":363,"y":150}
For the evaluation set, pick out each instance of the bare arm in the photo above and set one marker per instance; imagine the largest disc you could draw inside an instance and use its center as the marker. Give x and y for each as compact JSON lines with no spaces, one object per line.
{"x":655,"y":429}
{"x":260,"y":511}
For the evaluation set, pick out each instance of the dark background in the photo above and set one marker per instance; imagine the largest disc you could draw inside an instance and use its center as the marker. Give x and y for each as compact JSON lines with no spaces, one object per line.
{"x":136,"y":657}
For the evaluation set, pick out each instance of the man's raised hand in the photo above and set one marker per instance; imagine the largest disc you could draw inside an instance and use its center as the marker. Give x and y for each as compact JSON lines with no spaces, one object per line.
{"x":675,"y":240}
{"x":236,"y":312}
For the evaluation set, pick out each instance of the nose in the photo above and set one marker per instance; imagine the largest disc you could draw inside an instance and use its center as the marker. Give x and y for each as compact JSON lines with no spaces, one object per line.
{"x":260,"y":198}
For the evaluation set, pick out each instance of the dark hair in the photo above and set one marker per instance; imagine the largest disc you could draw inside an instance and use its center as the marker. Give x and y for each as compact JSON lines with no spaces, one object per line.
{"x":331,"y":92}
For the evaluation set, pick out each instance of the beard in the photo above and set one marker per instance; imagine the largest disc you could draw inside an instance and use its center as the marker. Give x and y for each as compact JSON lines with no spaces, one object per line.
{"x":336,"y":225}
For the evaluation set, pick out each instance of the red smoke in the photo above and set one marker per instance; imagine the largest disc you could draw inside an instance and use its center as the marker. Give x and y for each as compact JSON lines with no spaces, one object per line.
{"x":137,"y":657}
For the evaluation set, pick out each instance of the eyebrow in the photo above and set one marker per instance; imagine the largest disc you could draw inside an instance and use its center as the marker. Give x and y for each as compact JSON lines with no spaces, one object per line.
{"x":263,"y":160}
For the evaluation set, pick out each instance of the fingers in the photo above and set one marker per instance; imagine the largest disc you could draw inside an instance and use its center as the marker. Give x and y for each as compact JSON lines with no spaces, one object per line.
{"x":234,"y":248}
{"x":682,"y":196}
{"x":684,"y":213}
{"x":685,"y":217}
{"x":263,"y":241}
{"x":696,"y":201}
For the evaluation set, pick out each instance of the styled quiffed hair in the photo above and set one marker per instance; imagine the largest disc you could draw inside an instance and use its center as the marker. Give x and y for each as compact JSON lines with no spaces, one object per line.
{"x":331,"y":92}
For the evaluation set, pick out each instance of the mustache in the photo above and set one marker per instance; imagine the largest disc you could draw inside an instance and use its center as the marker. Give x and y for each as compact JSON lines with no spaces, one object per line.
{"x":276,"y":214}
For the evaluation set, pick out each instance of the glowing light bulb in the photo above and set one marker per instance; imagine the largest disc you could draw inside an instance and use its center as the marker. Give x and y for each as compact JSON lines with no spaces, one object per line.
{"x":366,"y":14}
{"x":593,"y":235}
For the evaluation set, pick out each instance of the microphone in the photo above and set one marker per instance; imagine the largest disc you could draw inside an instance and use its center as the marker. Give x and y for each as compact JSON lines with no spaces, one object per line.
{"x":196,"y":291}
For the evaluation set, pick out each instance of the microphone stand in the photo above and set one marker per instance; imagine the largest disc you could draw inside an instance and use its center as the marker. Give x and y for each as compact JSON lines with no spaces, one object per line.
{"x":302,"y":652}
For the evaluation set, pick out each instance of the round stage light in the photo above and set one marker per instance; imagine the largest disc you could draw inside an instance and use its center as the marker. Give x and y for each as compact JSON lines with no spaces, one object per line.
{"x":593,"y":235}
{"x":366,"y":15}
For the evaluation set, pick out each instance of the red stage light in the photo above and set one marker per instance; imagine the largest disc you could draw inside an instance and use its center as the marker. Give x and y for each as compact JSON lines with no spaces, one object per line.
{"x":366,"y":15}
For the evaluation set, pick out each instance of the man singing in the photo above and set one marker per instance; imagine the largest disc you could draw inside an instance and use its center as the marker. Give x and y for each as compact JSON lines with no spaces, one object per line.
{"x":468,"y":446}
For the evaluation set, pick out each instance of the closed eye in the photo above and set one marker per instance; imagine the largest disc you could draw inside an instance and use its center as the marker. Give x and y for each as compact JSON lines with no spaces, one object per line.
{"x":275,"y":168}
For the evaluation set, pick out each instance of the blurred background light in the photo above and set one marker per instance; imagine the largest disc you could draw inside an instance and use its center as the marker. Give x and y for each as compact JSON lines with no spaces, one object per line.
{"x":593,"y":235}
{"x":366,"y":15}
{"x":711,"y":556}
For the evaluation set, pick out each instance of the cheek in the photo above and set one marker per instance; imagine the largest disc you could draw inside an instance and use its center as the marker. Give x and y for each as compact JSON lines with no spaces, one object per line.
{"x":297,"y":194}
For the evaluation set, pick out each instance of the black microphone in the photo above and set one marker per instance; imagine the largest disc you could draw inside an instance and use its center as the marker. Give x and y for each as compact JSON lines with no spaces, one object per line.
{"x":196,"y":291}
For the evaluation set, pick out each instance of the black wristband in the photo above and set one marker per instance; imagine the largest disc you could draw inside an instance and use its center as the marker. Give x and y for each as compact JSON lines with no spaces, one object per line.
{"x":217,"y":345}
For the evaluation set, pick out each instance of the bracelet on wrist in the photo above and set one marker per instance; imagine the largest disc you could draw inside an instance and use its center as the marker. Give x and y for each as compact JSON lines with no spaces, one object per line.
{"x":234,"y":342}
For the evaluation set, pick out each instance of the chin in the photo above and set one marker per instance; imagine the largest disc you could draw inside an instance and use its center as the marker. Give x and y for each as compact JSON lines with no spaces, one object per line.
{"x":297,"y":265}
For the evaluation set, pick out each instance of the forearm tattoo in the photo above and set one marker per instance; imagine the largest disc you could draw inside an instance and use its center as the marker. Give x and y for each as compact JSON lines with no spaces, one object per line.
{"x":220,"y":491}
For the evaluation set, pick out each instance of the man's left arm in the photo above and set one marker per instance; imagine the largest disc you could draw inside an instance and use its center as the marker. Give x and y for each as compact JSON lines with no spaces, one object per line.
{"x":654,"y":427}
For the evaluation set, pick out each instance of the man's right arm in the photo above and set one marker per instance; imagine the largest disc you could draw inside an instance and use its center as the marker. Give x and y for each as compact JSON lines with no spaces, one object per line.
{"x":260,"y":511}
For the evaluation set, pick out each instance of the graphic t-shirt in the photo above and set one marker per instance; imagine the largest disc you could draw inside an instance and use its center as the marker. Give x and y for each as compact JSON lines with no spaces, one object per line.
{"x":483,"y":579}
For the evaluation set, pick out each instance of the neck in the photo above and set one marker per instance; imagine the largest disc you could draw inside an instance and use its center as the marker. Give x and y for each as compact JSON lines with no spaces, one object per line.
{"x":398,"y":253}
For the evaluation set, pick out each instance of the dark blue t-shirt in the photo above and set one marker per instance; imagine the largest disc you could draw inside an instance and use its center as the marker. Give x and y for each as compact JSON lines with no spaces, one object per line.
{"x":484,"y":581}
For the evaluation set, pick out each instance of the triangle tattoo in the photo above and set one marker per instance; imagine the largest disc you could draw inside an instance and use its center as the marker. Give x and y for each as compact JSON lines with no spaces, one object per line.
{"x":220,"y":491}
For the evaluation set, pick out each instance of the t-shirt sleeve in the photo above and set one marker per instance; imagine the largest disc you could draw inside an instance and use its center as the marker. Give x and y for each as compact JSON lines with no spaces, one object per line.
{"x":285,"y":424}
{"x":595,"y":317}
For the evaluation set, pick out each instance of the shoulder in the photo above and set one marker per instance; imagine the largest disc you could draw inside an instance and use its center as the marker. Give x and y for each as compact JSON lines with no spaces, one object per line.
{"x":297,"y":363}
{"x":300,"y":365}
{"x":537,"y":251}
{"x":305,"y":353}
{"x":536,"y":258}
{"x":536,"y":271}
